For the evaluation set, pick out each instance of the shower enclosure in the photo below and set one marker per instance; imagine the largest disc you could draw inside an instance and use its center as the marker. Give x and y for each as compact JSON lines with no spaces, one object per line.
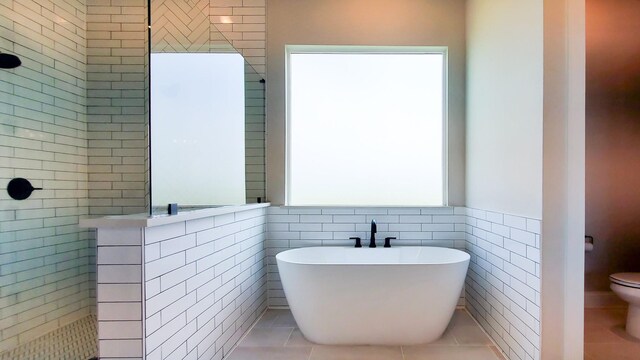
{"x":74,"y":121}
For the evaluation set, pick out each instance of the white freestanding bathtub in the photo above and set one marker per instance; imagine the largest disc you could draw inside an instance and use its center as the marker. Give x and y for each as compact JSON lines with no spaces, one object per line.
{"x":380,"y":296}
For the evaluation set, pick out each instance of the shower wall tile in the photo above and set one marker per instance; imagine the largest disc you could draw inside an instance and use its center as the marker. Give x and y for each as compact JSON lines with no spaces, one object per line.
{"x":45,"y":277}
{"x":243,"y":23}
{"x":503,"y":281}
{"x":117,"y":87}
{"x":294,"y":227}
{"x":255,"y":180}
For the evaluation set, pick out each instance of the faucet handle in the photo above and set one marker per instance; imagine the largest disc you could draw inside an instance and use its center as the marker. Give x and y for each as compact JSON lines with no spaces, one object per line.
{"x":357,"y":239}
{"x":387,"y":241}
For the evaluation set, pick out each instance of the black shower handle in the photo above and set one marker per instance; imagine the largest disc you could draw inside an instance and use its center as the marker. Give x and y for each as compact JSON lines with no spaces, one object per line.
{"x":20,"y":188}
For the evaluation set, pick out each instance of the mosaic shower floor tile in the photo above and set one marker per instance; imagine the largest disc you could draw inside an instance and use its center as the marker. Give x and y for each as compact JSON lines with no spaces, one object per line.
{"x":75,"y":341}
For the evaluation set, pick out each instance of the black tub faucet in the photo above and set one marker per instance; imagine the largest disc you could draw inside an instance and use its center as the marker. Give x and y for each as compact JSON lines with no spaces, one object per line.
{"x":357,"y":239}
{"x":374,"y":230}
{"x":387,"y":241}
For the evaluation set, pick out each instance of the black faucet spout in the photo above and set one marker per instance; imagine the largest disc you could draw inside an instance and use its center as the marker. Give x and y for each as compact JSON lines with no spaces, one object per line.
{"x":374,"y":230}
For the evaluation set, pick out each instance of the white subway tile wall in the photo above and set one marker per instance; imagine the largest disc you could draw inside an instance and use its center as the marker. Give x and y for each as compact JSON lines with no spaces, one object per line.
{"x":503,"y":282}
{"x":45,"y":280}
{"x":255,"y":183}
{"x":205,"y":284}
{"x":243,"y":24}
{"x":193,"y":290}
{"x":119,"y":293}
{"x":117,"y":111}
{"x":294,"y":227}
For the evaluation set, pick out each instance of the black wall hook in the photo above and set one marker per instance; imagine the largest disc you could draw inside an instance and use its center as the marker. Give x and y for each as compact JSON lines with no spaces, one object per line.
{"x":20,"y":188}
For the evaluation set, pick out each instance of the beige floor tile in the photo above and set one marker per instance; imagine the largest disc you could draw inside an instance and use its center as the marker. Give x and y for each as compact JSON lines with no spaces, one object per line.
{"x":447,"y":339}
{"x":605,"y":316}
{"x":324,"y":352}
{"x":285,"y":319}
{"x":273,"y":336}
{"x":270,"y":316}
{"x":497,"y":352}
{"x":430,"y":352}
{"x":611,"y":351}
{"x":277,"y":337}
{"x":270,"y":353}
{"x":470,"y":335}
{"x":461,"y":317}
{"x":601,"y":334}
{"x":267,"y":318}
{"x":297,"y":339}
{"x":622,"y":334}
{"x":605,"y":337}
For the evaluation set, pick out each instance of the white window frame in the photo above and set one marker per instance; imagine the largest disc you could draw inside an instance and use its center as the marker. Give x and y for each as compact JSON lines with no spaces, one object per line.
{"x":355,"y":49}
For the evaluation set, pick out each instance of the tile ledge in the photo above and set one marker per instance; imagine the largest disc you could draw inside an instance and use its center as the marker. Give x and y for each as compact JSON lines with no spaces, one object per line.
{"x":145,"y":221}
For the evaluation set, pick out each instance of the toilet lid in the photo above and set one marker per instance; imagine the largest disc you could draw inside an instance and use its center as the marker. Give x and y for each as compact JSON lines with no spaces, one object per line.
{"x":626,"y":279}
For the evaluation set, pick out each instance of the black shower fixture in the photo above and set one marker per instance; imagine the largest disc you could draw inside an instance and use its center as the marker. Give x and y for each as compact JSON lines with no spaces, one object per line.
{"x":8,"y":61}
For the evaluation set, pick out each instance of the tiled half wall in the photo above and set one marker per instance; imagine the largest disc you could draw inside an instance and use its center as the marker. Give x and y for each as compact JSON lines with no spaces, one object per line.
{"x":294,"y":227}
{"x":503,"y":281}
{"x":502,"y":289}
{"x":203,"y":283}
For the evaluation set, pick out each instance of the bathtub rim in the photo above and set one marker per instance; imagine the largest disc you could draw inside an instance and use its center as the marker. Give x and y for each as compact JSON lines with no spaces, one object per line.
{"x":465,"y":257}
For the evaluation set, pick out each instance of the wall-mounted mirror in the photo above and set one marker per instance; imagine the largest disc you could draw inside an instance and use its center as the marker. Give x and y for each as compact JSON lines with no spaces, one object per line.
{"x":206,"y":113}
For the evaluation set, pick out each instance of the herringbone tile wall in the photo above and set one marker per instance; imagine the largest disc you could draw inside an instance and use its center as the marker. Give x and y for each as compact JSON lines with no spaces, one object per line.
{"x":243,"y":23}
{"x":211,"y":26}
{"x":184,"y":26}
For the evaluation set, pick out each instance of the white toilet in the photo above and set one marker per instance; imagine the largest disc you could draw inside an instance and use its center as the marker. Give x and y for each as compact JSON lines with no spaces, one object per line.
{"x":627,"y":287}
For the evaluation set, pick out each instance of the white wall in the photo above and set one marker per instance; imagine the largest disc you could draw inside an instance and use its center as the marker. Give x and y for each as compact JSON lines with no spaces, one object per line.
{"x":564,"y":180}
{"x":364,"y":22}
{"x":505,"y":71}
{"x":504,"y":106}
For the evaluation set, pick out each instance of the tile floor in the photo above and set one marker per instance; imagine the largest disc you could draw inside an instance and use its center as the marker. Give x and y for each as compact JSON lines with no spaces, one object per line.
{"x":75,"y":341}
{"x":276,"y":337}
{"x":605,"y":338}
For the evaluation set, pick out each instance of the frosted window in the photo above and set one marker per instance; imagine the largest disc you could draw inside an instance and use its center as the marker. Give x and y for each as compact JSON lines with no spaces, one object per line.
{"x":197,"y":129}
{"x":365,"y":129}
